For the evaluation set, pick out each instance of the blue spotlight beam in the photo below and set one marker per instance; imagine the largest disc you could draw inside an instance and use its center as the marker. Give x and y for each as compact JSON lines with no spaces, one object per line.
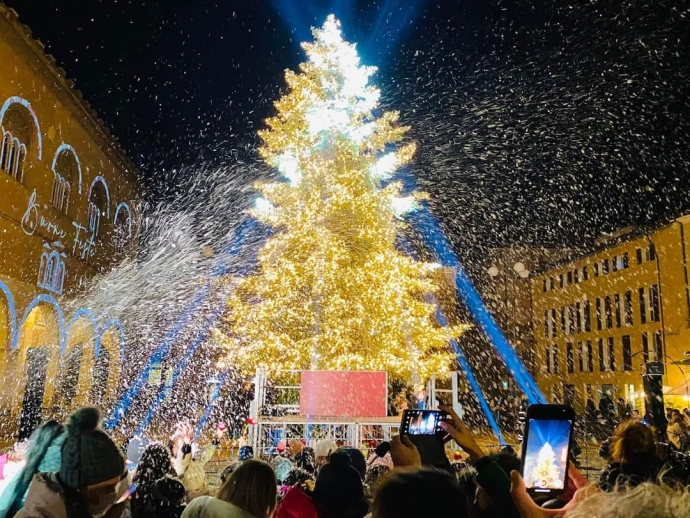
{"x":247,"y":226}
{"x":428,"y":227}
{"x":471,"y":379}
{"x":209,"y":406}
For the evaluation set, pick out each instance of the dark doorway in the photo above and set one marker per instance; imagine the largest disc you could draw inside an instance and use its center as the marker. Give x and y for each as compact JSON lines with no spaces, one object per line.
{"x":70,"y":375}
{"x":100,"y":377}
{"x":32,"y":405}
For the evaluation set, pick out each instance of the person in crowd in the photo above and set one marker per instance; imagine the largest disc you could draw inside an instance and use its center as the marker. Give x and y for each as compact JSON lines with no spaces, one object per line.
{"x":635,"y":415}
{"x":168,"y":498}
{"x":91,"y":477}
{"x":13,"y":463}
{"x":374,"y":476}
{"x":357,"y":459}
{"x":607,"y":408}
{"x":489,"y":475}
{"x":414,"y":492}
{"x":250,"y":492}
{"x":229,"y":469}
{"x":295,"y":476}
{"x":189,"y":467}
{"x":323,"y":449}
{"x":632,"y":457}
{"x":43,"y":456}
{"x":154,"y":464}
{"x":337,"y":493}
{"x":677,"y":432}
{"x":623,"y":409}
{"x":281,"y":466}
{"x":135,"y":448}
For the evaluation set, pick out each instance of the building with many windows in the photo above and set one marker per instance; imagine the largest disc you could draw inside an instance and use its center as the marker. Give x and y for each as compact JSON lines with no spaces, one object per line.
{"x":601,"y":317}
{"x":66,"y":199}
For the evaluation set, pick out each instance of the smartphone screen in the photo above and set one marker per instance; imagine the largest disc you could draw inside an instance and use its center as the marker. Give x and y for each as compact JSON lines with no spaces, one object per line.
{"x":127,"y":493}
{"x":420,"y":422}
{"x":546,"y":448}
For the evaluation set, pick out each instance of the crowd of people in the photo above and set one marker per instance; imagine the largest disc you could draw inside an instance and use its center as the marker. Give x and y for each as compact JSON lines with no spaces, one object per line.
{"x":77,"y":470}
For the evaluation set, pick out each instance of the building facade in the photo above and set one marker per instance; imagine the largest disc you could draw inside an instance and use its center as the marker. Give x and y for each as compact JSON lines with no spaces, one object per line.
{"x":66,"y":214}
{"x":600,"y":318}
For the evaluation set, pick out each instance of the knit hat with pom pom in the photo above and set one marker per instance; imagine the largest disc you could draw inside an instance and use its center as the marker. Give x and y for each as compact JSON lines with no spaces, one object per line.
{"x":89,"y":455}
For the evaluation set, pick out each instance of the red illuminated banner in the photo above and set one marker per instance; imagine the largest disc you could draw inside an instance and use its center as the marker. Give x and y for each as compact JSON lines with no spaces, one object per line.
{"x":343,"y":394}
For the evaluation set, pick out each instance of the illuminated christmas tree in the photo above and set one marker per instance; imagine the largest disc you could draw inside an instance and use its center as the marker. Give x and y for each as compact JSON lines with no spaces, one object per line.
{"x":332,"y":291}
{"x":546,"y":472}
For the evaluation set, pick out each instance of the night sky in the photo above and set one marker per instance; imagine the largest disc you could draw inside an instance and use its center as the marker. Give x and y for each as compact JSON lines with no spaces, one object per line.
{"x":538,"y":122}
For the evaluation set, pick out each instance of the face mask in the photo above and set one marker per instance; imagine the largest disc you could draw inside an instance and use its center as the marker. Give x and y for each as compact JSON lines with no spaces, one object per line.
{"x":105,"y":502}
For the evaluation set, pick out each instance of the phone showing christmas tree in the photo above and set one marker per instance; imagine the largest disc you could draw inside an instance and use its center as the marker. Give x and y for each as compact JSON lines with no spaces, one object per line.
{"x":546,"y":448}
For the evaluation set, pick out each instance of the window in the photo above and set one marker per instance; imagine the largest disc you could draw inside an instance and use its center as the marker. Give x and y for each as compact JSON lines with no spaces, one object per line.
{"x":548,"y":359}
{"x":570,"y":278}
{"x":624,"y":261}
{"x":563,"y":326}
{"x":585,"y":273}
{"x":643,"y":306}
{"x":614,"y":263}
{"x":569,"y":360}
{"x":560,"y":280}
{"x":658,"y":346}
{"x":578,"y":316}
{"x":604,"y":266}
{"x":617,"y":305}
{"x":585,"y":310}
{"x":544,"y":287}
{"x":576,"y":275}
{"x":571,"y":320}
{"x":546,"y":324}
{"x":580,"y":357}
{"x":596,"y":269}
{"x":654,"y":303}
{"x":65,"y":175}
{"x":17,"y":131}
{"x":611,"y":363}
{"x":638,"y":253}
{"x":554,"y":325}
{"x":554,"y":359}
{"x":627,"y":353}
{"x":602,"y":365}
{"x":97,"y":208}
{"x":599,"y":309}
{"x":586,"y":360}
{"x":628,"y":308}
{"x":645,"y":347}
{"x":552,"y":283}
{"x":646,"y":254}
{"x":609,"y":312}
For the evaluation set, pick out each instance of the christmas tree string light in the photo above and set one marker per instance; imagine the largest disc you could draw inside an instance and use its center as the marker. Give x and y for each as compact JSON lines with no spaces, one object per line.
{"x":332,"y":291}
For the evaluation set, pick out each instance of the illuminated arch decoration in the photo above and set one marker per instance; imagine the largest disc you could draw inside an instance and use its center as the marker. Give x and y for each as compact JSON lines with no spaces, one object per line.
{"x":12,"y":309}
{"x":23,"y":102}
{"x":110,"y":324}
{"x":124,"y":207}
{"x":101,"y":180}
{"x":66,"y":147}
{"x":47,"y":299}
{"x":51,"y":272}
{"x":88,"y":314}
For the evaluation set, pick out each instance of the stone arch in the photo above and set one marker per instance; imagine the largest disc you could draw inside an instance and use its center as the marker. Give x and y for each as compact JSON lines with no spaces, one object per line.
{"x":23,"y":102}
{"x":37,"y":358}
{"x":109,"y":360}
{"x":78,"y":360}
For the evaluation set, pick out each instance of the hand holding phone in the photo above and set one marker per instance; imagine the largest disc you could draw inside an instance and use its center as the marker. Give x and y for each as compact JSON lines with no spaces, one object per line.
{"x":546,"y":448}
{"x":423,"y":430}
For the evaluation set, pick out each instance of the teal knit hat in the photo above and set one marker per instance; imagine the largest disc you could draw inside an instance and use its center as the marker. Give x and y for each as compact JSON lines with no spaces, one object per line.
{"x":89,"y":455}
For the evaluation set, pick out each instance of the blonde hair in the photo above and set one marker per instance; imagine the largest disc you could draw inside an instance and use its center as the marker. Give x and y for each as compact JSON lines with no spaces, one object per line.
{"x":632,"y":441}
{"x":648,"y":500}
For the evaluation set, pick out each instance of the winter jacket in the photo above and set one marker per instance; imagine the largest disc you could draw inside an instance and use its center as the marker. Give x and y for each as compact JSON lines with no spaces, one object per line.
{"x":210,"y":507}
{"x":46,"y":499}
{"x":629,"y":474}
{"x":296,"y":504}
